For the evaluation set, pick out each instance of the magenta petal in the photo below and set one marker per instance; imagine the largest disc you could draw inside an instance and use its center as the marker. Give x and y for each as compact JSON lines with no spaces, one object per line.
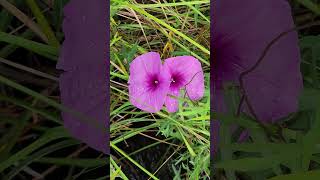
{"x":172,"y":104}
{"x":86,"y":92}
{"x":144,"y":93}
{"x":84,"y":46}
{"x":84,"y":84}
{"x":191,"y":75}
{"x":243,"y":31}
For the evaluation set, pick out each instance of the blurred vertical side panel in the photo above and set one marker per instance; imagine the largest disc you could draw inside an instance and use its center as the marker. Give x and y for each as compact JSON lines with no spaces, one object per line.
{"x":84,"y":83}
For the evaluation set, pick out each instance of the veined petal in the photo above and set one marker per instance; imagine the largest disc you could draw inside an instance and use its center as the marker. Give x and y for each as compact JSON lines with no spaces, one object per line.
{"x":242,"y":33}
{"x":149,"y":82}
{"x":190,"y":75}
{"x":172,"y":104}
{"x":143,"y":66}
{"x":86,"y":35}
{"x":84,"y":84}
{"x":86,"y":91}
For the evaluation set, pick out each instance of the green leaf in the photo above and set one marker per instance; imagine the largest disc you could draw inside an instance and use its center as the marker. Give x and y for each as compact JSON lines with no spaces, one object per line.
{"x":226,"y":153}
{"x":311,"y":5}
{"x":310,"y":175}
{"x":10,"y":48}
{"x":50,"y":135}
{"x":6,"y":17}
{"x":43,"y":23}
{"x":49,"y":115}
{"x":311,"y":138}
{"x":35,"y":156}
{"x":309,"y":41}
{"x":242,"y":121}
{"x":260,"y":147}
{"x":58,"y":12}
{"x":251,"y":164}
{"x":89,"y":120}
{"x":309,"y":99}
{"x":41,"y":49}
{"x":10,"y":138}
{"x":80,"y":162}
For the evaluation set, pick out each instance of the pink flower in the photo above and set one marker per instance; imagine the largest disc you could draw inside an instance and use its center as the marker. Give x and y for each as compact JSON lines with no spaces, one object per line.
{"x":185,"y":71}
{"x":150,"y":82}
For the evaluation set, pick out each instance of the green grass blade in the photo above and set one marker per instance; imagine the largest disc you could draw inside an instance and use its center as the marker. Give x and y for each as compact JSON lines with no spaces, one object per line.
{"x":192,"y":153}
{"x":311,"y":5}
{"x":10,"y":48}
{"x":118,"y":169}
{"x":28,"y":69}
{"x":143,"y":12}
{"x":52,"y":40}
{"x":41,"y":49}
{"x":159,"y":5}
{"x":35,"y":156}
{"x":310,"y":175}
{"x":49,"y":115}
{"x":23,"y":18}
{"x":133,"y":161}
{"x":53,"y":103}
{"x":52,"y":134}
{"x":79,"y":162}
{"x":10,"y":138}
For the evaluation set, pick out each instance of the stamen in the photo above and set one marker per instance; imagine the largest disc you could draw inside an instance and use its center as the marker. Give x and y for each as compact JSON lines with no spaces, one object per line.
{"x":156,"y":82}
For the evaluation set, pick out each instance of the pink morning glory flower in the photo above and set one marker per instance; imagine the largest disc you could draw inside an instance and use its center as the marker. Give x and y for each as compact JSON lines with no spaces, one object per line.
{"x":185,"y":71}
{"x":151,"y":82}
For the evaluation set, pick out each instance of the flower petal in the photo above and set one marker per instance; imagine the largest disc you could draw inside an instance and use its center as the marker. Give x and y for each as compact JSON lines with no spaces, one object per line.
{"x":140,"y":95}
{"x":143,"y":66}
{"x":242,"y":33}
{"x":172,"y":104}
{"x":191,"y":70}
{"x":86,"y":92}
{"x":84,"y":45}
{"x":84,"y":84}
